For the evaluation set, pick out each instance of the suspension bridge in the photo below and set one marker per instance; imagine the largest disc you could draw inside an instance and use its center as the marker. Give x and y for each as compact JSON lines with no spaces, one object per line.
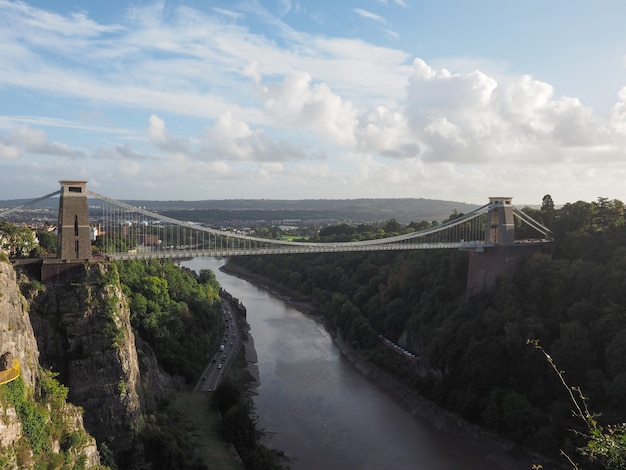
{"x":123,"y":231}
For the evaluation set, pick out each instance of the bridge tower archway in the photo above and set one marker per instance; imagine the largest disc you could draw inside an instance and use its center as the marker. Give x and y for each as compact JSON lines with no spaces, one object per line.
{"x":74,"y":240}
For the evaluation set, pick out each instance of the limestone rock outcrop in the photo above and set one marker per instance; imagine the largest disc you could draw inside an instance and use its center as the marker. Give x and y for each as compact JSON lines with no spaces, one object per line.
{"x":16,"y":332}
{"x":17,"y":341}
{"x":84,"y":333}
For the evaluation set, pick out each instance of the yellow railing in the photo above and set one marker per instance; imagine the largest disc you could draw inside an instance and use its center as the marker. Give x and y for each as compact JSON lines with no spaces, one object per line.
{"x":10,"y":374}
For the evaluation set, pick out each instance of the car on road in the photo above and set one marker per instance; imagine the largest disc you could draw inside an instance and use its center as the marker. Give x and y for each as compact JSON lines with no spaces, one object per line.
{"x":219,"y":366}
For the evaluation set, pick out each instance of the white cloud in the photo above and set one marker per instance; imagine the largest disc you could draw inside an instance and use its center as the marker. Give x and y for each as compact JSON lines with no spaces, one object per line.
{"x":386,"y":132}
{"x":121,"y":152}
{"x":233,"y":15}
{"x":163,"y":140}
{"x":400,"y":3}
{"x":133,"y":65}
{"x":618,"y":113}
{"x":35,"y":141}
{"x":472,"y":117}
{"x":129,"y":169}
{"x":8,"y":152}
{"x":370,"y":16}
{"x":380,"y":20}
{"x":232,"y":139}
{"x":296,"y":101}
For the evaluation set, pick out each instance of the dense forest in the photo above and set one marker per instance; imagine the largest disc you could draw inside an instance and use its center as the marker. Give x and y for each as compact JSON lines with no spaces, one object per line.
{"x":570,"y":300}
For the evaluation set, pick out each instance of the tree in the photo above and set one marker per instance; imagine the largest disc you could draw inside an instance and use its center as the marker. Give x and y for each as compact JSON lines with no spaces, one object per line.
{"x":17,"y":241}
{"x":547,"y":204}
{"x":47,"y":241}
{"x":392,"y":227}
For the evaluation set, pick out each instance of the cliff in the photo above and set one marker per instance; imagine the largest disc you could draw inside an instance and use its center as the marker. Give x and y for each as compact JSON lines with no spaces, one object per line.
{"x":84,"y":332}
{"x":37,"y":426}
{"x":16,"y":332}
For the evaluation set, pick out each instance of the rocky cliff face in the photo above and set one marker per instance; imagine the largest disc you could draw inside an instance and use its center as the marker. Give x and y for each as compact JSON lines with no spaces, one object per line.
{"x":84,"y":332}
{"x":17,"y":338}
{"x":16,"y":332}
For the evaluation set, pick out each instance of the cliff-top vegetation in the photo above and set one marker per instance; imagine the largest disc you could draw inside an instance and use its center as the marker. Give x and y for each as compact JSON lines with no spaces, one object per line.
{"x":174,"y":311}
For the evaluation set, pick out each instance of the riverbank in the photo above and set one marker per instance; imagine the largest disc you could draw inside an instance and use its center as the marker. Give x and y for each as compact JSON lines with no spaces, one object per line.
{"x":505,"y":454}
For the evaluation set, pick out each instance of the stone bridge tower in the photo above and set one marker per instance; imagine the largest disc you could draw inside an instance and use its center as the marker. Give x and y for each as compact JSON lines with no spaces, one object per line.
{"x":500,"y":222}
{"x":501,"y":255}
{"x":74,"y":241}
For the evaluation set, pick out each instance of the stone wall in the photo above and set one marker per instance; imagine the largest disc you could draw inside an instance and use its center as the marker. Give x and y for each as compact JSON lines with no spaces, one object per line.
{"x":501,"y":260}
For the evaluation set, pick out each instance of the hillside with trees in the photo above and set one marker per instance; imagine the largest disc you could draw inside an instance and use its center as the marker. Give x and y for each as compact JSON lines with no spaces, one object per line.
{"x":570,"y":299}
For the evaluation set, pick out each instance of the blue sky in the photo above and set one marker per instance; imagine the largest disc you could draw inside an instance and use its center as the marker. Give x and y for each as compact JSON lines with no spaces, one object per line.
{"x":313,"y":99}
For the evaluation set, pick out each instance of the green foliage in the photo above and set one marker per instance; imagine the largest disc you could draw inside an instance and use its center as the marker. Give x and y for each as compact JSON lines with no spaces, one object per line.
{"x":346,"y":232}
{"x":604,"y":445}
{"x":108,"y":275}
{"x":112,"y":326}
{"x":168,"y":449}
{"x":17,"y":241}
{"x":121,"y":387}
{"x":174,"y":311}
{"x":51,"y":390}
{"x":47,"y":241}
{"x":42,"y":417}
{"x":112,"y":243}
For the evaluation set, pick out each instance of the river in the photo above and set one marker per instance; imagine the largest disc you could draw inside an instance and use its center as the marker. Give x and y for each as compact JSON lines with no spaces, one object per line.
{"x":323,"y":413}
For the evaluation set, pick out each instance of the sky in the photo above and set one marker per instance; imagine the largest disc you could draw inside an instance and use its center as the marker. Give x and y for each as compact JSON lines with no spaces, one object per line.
{"x":315,"y":99}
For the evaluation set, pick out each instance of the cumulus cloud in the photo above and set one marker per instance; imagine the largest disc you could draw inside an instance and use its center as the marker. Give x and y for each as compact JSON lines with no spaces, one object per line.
{"x":298,"y":102}
{"x":472,"y":117}
{"x":8,"y":152}
{"x":386,"y":132}
{"x":35,"y":141}
{"x":232,"y":139}
{"x":450,"y":117}
{"x":160,"y":137}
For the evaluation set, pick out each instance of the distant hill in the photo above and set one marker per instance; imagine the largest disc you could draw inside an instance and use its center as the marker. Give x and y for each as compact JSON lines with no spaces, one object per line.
{"x":341,"y":210}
